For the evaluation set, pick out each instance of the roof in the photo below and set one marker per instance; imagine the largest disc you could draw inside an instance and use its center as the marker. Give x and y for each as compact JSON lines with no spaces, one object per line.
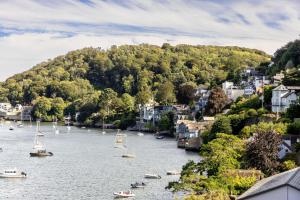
{"x":293,"y":87}
{"x":280,"y":87}
{"x":289,"y":178}
{"x":288,"y":94}
{"x":192,"y":125}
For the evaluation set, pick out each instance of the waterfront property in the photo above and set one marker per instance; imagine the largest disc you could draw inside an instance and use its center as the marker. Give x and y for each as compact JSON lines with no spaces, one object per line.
{"x":188,"y":134}
{"x":283,"y":186}
{"x":283,"y":97}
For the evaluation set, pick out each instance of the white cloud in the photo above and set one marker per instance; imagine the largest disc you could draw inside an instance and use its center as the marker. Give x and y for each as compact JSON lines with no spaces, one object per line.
{"x":36,"y":30}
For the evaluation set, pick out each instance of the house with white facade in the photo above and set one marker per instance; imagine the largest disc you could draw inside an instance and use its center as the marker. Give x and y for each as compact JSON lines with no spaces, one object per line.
{"x":283,"y":186}
{"x":232,"y":92}
{"x":282,"y":98}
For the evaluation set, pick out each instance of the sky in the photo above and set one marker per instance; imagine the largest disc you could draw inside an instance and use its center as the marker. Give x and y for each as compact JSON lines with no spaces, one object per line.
{"x":32,"y":31}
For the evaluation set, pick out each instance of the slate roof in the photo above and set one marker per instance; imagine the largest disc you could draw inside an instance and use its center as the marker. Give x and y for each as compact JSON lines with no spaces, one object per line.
{"x":287,"y":94}
{"x":280,"y":87}
{"x":289,"y":178}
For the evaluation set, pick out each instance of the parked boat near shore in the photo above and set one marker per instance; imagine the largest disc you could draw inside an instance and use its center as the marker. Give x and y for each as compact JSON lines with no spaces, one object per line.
{"x":13,"y":173}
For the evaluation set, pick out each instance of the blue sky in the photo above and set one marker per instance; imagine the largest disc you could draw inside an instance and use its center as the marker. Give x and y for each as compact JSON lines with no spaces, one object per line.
{"x":32,"y":31}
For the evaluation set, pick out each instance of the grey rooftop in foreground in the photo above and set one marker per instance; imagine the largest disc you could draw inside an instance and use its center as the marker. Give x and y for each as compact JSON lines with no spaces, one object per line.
{"x":289,"y":178}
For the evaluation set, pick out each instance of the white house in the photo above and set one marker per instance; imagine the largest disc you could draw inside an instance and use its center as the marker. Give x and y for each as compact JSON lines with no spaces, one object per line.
{"x":283,"y":186}
{"x":282,"y":98}
{"x":5,"y":107}
{"x":232,"y":92}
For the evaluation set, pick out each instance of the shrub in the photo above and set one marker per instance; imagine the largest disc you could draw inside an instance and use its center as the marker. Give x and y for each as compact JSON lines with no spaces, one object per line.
{"x":294,"y":128}
{"x":251,"y":112}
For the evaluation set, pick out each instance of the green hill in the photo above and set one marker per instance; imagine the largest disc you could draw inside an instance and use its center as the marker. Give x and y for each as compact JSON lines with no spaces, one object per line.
{"x":79,"y":80}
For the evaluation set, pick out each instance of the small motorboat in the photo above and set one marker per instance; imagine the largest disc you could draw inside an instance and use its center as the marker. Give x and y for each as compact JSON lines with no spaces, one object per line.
{"x":11,"y":128}
{"x":20,"y":125}
{"x":128,"y":155}
{"x":123,"y":194}
{"x":159,"y":137}
{"x":40,"y":153}
{"x":140,"y":134}
{"x":152,"y":176}
{"x":83,"y":127}
{"x":173,"y":172}
{"x":13,"y":173}
{"x":138,"y":185}
{"x":56,"y":131}
{"x":103,"y":132}
{"x":68,"y":128}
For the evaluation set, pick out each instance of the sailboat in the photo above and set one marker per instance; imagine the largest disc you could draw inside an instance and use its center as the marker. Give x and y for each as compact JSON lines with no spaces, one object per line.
{"x":30,"y":122}
{"x":55,"y":126}
{"x":39,"y":149}
{"x":103,"y":132}
{"x":20,"y":123}
{"x":127,"y":154}
{"x":68,"y":123}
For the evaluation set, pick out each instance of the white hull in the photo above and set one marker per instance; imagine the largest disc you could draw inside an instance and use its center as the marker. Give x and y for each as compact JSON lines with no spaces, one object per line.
{"x":152,"y":176}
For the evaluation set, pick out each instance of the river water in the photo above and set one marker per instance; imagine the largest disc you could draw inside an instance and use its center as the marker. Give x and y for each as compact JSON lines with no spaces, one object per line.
{"x":86,"y":165}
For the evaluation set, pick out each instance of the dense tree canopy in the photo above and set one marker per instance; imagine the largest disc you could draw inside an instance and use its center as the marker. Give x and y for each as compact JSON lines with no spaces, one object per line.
{"x":167,"y":74}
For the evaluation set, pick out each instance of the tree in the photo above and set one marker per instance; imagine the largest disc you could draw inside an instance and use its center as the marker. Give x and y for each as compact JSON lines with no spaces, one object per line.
{"x":262,"y":152}
{"x":221,"y":125}
{"x":186,"y":93}
{"x":165,"y":94}
{"x":42,"y":105}
{"x":216,"y":101}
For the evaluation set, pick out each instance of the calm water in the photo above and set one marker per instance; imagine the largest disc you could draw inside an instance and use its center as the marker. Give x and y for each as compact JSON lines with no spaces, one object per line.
{"x":86,"y":165}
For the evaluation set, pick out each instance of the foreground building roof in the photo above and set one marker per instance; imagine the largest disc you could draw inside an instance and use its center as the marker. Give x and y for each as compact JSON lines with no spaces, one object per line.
{"x":289,"y":178}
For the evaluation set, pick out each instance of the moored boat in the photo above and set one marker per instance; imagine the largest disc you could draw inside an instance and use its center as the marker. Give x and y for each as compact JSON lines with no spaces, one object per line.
{"x":159,"y":137}
{"x":152,"y":176}
{"x":173,"y":172}
{"x":138,"y":185}
{"x":38,"y":148}
{"x":128,"y":155}
{"x":12,"y":173}
{"x":124,"y":194}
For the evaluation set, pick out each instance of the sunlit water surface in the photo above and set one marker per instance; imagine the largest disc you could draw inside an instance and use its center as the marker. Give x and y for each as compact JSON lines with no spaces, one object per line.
{"x":86,"y":165}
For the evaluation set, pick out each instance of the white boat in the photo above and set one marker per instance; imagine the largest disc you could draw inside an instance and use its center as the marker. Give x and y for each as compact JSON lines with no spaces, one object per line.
{"x":152,"y":176}
{"x":38,"y":148}
{"x":11,"y":128}
{"x":123,"y":194}
{"x":56,"y":131}
{"x":140,"y":134}
{"x":103,"y":132}
{"x":12,"y":173}
{"x":69,"y":128}
{"x":173,"y":172}
{"x":128,"y":155}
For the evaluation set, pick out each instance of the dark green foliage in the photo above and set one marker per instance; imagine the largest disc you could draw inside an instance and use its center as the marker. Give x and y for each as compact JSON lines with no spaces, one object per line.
{"x":221,"y":125}
{"x":142,"y":71}
{"x":294,"y":128}
{"x":166,"y":123}
{"x":186,"y":93}
{"x":293,"y":111}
